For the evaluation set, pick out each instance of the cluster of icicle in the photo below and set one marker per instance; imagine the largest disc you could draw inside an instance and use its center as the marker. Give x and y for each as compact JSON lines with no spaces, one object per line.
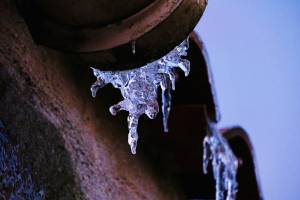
{"x":139,"y":88}
{"x":15,"y":182}
{"x":224,"y":163}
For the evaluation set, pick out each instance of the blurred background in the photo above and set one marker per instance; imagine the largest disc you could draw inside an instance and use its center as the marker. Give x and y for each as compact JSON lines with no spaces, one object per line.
{"x":254,"y":49}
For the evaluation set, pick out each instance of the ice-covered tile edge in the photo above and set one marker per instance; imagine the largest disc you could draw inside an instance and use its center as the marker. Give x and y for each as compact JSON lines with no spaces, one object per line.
{"x":224,"y":163}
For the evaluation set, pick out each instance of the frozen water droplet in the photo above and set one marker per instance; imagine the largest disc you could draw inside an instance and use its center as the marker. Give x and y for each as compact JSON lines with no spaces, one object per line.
{"x":139,"y":88}
{"x":224,"y":163}
{"x":133,"y":46}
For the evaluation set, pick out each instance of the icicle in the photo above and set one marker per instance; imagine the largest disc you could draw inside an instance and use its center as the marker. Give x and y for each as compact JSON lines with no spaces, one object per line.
{"x":224,"y":163}
{"x":133,"y":134}
{"x":166,"y":105}
{"x":139,"y":88}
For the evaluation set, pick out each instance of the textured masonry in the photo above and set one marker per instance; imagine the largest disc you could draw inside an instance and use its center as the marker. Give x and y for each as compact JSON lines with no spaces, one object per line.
{"x":69,"y":141}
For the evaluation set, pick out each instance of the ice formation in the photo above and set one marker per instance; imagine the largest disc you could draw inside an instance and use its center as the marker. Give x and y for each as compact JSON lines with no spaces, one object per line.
{"x":139,"y":88}
{"x":224,"y":163}
{"x":15,"y":181}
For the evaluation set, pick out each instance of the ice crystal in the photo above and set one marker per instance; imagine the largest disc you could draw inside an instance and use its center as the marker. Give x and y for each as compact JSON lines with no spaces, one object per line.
{"x":139,"y":88}
{"x":224,"y":163}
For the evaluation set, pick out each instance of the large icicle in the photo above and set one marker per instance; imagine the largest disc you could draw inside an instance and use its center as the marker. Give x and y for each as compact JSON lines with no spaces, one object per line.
{"x":139,"y":88}
{"x":224,"y":163}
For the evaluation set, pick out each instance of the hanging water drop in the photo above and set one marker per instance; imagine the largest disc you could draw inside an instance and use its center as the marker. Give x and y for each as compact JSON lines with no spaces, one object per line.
{"x":133,"y":46}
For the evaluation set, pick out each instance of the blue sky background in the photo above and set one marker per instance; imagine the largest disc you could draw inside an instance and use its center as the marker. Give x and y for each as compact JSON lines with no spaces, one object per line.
{"x":254,"y":49}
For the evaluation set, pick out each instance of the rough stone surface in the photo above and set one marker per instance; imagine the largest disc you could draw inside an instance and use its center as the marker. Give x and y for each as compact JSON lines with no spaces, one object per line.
{"x":74,"y":148}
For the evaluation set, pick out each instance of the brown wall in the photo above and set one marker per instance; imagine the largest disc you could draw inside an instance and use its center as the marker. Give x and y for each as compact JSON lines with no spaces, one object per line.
{"x":73,"y":147}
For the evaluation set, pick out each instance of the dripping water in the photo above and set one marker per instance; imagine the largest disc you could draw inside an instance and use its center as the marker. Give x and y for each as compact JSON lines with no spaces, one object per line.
{"x":133,"y":47}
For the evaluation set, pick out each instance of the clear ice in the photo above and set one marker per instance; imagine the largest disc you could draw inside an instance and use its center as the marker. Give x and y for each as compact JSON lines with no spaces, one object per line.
{"x":224,"y":163}
{"x":139,"y":88}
